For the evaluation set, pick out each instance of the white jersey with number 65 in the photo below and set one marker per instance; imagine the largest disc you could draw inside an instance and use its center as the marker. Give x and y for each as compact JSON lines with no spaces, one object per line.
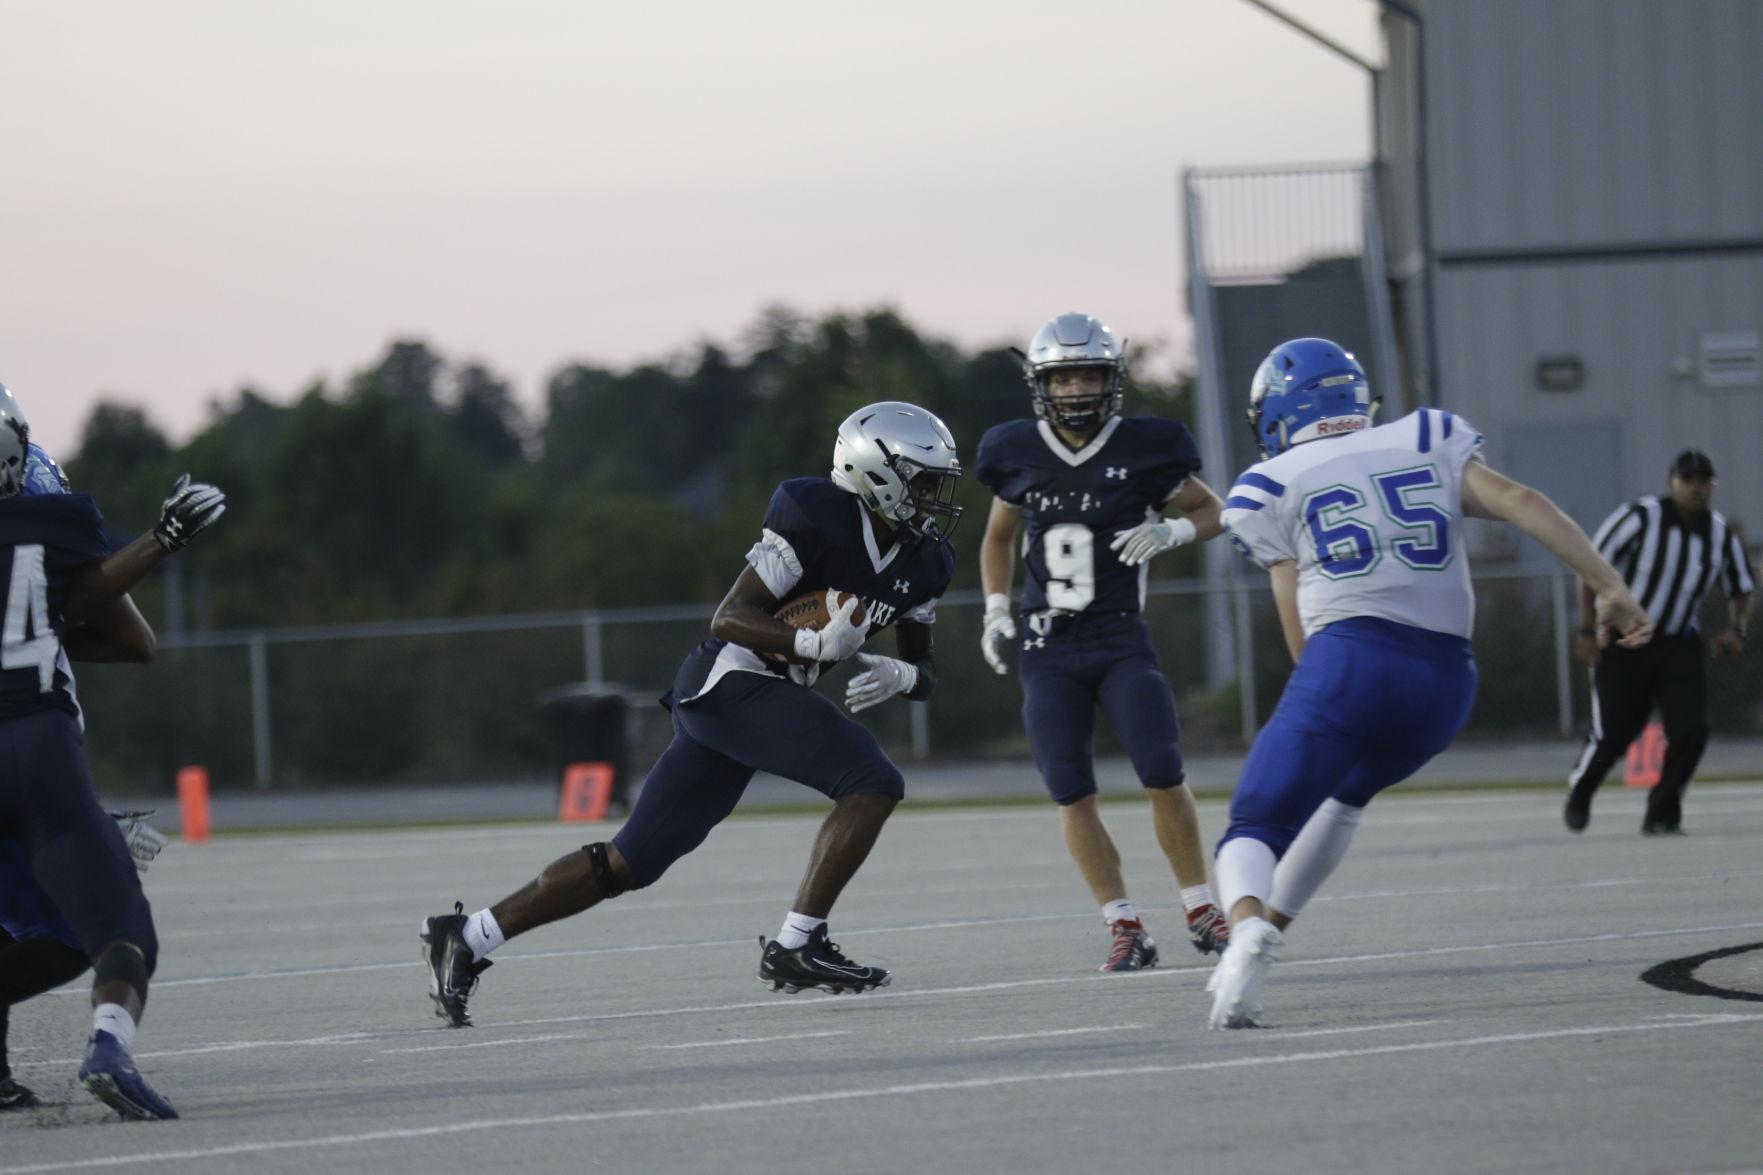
{"x":1373,"y":519}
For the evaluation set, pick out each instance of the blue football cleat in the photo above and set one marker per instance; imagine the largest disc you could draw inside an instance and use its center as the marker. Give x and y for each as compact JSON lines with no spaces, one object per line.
{"x":110,"y":1075}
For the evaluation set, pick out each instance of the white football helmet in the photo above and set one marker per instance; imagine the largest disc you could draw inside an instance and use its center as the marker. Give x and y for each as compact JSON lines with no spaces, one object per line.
{"x":15,"y":445}
{"x":900,"y":461}
{"x":1075,"y":340}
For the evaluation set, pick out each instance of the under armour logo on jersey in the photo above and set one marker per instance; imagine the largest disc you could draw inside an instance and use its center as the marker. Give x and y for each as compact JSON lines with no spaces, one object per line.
{"x":902,"y":586}
{"x":1034,"y":642}
{"x":1118,"y":472}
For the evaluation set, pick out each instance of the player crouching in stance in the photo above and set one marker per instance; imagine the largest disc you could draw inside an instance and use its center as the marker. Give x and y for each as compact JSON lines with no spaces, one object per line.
{"x":1361,"y":531}
{"x":742,"y":702}
{"x":1091,"y":485}
{"x":63,"y":577}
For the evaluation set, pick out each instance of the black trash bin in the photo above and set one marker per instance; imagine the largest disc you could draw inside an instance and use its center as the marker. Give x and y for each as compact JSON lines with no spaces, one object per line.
{"x":590,"y":723}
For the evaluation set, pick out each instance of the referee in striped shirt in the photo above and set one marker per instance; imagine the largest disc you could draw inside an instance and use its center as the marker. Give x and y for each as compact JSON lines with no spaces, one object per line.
{"x":1669,"y":550}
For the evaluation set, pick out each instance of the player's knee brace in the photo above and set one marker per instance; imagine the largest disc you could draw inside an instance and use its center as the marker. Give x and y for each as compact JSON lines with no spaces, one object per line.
{"x":124,"y":962}
{"x":605,"y":877}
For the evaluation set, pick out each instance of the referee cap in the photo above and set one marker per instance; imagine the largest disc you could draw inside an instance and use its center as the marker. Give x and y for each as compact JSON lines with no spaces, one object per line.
{"x":1692,"y":463}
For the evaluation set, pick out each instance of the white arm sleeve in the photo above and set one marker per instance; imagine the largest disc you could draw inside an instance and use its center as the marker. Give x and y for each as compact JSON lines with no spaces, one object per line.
{"x":775,"y":561}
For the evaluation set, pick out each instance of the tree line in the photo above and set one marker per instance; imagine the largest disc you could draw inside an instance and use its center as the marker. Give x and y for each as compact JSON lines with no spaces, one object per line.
{"x":418,"y":487}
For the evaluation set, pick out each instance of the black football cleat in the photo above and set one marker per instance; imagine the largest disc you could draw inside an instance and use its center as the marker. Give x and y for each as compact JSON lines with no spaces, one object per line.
{"x":1660,"y":828}
{"x":14,"y":1096}
{"x":453,"y":972}
{"x":816,"y":963}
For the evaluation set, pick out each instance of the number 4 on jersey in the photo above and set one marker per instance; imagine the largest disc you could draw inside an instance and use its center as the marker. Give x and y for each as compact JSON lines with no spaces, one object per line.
{"x":27,"y":608}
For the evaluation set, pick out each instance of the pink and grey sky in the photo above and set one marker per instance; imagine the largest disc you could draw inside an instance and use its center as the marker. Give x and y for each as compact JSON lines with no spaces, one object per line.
{"x":202,"y":195}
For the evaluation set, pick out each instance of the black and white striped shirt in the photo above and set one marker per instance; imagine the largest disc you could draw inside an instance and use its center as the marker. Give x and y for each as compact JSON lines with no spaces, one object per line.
{"x":1668,"y":563}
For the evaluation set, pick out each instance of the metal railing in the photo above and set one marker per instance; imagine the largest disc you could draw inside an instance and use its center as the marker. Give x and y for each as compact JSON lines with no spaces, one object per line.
{"x":456,"y":700}
{"x":1266,"y":223}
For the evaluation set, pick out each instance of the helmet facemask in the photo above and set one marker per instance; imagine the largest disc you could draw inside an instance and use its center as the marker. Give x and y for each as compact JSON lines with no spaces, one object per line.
{"x":931,"y":494}
{"x":15,"y":445}
{"x":1082,"y":414}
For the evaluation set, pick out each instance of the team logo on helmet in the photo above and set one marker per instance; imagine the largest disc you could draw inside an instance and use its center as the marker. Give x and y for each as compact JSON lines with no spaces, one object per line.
{"x":1307,"y":389}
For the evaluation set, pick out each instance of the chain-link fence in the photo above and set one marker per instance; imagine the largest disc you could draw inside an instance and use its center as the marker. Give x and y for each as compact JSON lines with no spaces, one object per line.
{"x":457,"y":700}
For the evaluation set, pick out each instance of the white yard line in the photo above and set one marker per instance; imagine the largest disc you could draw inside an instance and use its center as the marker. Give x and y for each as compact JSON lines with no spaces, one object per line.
{"x":808,"y":1004}
{"x":1384,"y":1027}
{"x":711,"y":1044}
{"x":823,"y":1097}
{"x":1056,"y":1032}
{"x":636,"y":948}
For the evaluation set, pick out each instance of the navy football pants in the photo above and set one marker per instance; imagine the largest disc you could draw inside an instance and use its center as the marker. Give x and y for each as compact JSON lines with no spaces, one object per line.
{"x":48,"y":808}
{"x":1084,"y":660}
{"x":748,"y":722}
{"x":1368,"y":704}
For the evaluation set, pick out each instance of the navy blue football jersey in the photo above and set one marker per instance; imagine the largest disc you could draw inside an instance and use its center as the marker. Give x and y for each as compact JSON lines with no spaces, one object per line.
{"x":818,"y":536}
{"x":44,"y":539}
{"x":1073,"y":503}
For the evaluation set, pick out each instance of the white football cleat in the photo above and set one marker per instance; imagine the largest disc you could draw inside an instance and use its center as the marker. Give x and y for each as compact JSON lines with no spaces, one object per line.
{"x":1237,"y":981}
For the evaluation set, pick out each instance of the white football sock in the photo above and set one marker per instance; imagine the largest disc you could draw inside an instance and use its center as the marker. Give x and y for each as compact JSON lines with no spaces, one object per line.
{"x":797,"y":928}
{"x":482,"y":934}
{"x":1196,"y":896}
{"x":1315,"y":854}
{"x":115,"y":1019}
{"x":1244,"y":869}
{"x":1120,"y":911}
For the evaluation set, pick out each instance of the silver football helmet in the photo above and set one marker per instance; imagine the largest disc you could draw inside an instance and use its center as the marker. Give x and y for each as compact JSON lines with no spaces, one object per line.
{"x":1075,"y":340}
{"x":15,"y":445}
{"x":900,"y":461}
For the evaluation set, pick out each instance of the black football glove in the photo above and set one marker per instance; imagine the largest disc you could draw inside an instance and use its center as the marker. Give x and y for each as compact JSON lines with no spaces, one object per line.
{"x":189,"y":510}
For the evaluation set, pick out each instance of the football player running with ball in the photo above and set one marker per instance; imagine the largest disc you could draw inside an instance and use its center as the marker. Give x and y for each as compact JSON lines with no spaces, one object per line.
{"x":1361,"y":531}
{"x":1091,"y":487}
{"x":877,"y":529}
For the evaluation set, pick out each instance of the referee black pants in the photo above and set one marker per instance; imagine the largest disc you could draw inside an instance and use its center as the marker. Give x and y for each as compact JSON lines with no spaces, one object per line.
{"x":1626,"y":683}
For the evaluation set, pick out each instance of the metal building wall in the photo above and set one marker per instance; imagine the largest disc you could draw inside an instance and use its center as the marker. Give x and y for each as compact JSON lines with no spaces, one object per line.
{"x":1635,"y":326}
{"x":1573,"y":123}
{"x":1587,"y":182}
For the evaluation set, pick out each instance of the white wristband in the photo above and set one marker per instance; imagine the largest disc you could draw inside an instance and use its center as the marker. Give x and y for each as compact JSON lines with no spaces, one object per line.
{"x":807,"y":644}
{"x":1182,"y":530}
{"x":997,"y":602}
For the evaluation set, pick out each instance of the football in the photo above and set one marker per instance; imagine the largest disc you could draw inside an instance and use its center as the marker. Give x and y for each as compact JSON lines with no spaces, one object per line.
{"x":813,"y":609}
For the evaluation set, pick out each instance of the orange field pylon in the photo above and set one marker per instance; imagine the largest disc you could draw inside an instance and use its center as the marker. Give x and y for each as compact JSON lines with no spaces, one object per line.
{"x":1646,"y":756}
{"x":587,"y":789}
{"x":193,"y":802}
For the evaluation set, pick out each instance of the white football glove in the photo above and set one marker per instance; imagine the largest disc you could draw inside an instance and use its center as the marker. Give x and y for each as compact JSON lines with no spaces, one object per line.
{"x":1151,"y":538}
{"x":1000,"y":631}
{"x":837,"y":639}
{"x":143,"y":839}
{"x":882,"y":679}
{"x":190,"y":509}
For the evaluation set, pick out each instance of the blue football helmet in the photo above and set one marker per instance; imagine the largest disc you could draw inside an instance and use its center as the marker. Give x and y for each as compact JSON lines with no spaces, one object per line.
{"x":1305,"y":389}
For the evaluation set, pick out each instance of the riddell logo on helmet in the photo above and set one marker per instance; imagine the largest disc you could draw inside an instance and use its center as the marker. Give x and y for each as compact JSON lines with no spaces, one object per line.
{"x":1328,"y":428}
